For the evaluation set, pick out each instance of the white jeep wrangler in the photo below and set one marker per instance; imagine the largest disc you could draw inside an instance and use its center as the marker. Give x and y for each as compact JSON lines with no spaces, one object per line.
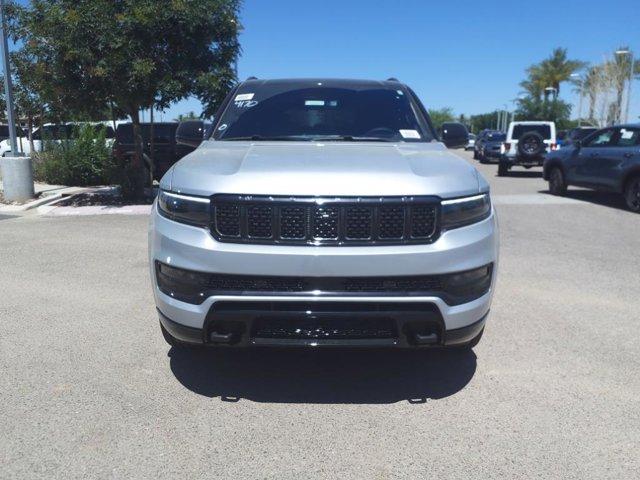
{"x":527,"y":145}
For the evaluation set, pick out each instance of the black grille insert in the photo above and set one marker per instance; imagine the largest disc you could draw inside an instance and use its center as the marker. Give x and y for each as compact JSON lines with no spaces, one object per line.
{"x":320,"y":221}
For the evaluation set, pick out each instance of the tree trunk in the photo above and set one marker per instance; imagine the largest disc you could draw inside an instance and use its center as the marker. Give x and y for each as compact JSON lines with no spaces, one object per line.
{"x":152,"y":146}
{"x":30,"y":133}
{"x":113,"y":117}
{"x":138,"y":171}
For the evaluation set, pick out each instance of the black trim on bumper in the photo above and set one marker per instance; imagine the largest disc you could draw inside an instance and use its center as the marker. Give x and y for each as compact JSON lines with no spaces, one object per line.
{"x":181,"y":332}
{"x":410,"y":332}
{"x":461,"y":336}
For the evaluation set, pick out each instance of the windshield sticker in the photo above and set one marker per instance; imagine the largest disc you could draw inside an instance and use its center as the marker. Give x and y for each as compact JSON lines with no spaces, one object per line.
{"x":626,"y":134}
{"x":246,"y":103}
{"x":410,"y":134}
{"x":222,"y":127}
{"x":244,"y":96}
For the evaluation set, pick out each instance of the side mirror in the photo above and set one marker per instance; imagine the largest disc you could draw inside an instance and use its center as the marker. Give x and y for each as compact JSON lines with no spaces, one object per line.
{"x":577,"y":144}
{"x":190,"y":133}
{"x":455,"y":135}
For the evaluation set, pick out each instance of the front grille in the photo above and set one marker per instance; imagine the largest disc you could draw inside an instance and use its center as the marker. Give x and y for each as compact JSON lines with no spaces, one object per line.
{"x":320,"y":221}
{"x":246,"y":284}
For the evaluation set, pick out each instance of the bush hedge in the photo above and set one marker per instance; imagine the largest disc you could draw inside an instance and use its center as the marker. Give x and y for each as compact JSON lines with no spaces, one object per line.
{"x":81,"y":161}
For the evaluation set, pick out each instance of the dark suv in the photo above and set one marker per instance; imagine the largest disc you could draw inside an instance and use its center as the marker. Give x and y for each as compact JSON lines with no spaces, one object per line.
{"x":166,"y":151}
{"x":608,"y":159}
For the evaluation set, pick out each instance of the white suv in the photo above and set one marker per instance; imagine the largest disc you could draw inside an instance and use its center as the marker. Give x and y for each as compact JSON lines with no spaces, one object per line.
{"x":527,"y":145}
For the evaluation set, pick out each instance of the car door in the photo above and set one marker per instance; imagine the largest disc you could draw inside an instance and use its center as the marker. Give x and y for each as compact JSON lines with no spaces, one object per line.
{"x":585,"y":164}
{"x":627,"y":150}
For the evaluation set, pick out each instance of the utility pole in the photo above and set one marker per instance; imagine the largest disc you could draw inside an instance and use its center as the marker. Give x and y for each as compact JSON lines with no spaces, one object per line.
{"x":17,"y":171}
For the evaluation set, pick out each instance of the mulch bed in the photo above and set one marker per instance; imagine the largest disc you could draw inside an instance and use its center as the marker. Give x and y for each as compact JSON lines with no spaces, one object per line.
{"x":101,"y":200}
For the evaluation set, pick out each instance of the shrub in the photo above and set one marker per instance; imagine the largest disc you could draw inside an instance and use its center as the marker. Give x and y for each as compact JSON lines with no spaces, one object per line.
{"x":81,"y":161}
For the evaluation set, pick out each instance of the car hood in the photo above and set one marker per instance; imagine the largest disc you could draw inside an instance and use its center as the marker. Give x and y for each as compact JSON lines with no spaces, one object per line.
{"x":324,"y":169}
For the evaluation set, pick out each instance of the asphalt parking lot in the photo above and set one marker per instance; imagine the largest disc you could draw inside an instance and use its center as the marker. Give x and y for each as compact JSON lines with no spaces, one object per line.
{"x":90,"y":390}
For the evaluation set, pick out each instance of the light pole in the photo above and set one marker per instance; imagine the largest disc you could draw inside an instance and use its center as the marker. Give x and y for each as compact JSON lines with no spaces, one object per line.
{"x":631,"y":69}
{"x":581,"y":83}
{"x":17,"y":171}
{"x":8,"y":87}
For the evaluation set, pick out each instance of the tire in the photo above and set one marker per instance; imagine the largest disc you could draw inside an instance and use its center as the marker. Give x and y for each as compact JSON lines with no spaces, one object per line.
{"x":531,"y":145}
{"x":632,"y":194}
{"x":557,"y":182}
{"x":503,"y":169}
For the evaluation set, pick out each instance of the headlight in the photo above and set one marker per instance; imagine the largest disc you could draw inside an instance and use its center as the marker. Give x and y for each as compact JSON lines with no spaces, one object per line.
{"x":465,"y":211}
{"x":185,"y":208}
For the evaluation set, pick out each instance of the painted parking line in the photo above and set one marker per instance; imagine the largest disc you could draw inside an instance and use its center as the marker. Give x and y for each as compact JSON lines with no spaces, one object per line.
{"x":97,"y":210}
{"x":533,"y":199}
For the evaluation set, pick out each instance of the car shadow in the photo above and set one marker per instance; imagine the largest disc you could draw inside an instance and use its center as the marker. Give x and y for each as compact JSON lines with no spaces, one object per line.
{"x":606,"y":199}
{"x":336,"y":376}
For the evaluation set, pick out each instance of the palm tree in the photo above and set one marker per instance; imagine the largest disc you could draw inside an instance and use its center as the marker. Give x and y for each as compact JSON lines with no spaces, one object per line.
{"x":591,"y":86}
{"x":550,"y":73}
{"x":618,"y":69}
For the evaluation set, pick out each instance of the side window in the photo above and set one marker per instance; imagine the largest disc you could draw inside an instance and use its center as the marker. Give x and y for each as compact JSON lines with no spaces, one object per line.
{"x":628,"y":137}
{"x":602,"y":138}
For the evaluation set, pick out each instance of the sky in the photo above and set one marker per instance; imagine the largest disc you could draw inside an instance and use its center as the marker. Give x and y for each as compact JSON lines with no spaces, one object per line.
{"x":469,"y":56}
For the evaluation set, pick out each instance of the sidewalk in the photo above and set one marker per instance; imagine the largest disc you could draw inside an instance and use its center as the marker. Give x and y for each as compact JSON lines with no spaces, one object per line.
{"x":45,"y":194}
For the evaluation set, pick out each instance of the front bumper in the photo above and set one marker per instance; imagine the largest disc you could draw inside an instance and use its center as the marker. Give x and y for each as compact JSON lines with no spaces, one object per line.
{"x":458,"y":250}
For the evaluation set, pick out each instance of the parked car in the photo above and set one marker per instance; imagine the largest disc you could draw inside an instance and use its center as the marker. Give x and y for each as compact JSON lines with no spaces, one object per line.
{"x":166,"y":151}
{"x":471,"y":143}
{"x":479,"y":141}
{"x":491,"y":147}
{"x":608,"y":159}
{"x":527,"y":145}
{"x":323,"y":213}
{"x":578,"y":133}
{"x":4,"y":132}
{"x":52,"y":133}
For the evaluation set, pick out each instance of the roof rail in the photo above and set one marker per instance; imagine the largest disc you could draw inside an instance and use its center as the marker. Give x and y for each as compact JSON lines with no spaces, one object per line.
{"x":392,"y":79}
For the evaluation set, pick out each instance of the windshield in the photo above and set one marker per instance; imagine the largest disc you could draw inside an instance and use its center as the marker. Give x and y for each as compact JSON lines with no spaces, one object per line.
{"x":543,"y":129}
{"x":282,"y":111}
{"x":581,"y":133}
{"x":497,"y":137}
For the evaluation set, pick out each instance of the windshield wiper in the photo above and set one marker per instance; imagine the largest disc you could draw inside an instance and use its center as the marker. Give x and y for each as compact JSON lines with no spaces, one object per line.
{"x":260,"y":138}
{"x":350,"y":138}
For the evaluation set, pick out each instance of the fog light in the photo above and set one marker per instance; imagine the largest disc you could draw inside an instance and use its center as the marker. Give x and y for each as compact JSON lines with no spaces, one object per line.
{"x":467,"y":286}
{"x":183,"y":285}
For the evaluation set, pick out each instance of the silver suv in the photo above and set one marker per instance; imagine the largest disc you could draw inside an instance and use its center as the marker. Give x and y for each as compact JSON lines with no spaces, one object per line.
{"x":323,"y":213}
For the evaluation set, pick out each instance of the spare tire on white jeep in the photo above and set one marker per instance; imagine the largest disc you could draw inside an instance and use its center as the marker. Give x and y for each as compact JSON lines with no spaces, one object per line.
{"x":527,"y":145}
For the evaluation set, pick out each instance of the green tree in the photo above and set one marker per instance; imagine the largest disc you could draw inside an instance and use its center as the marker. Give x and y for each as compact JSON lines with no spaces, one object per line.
{"x":550,"y":74}
{"x":440,"y":116}
{"x":483,"y":121}
{"x":131,"y":54}
{"x":188,"y":116}
{"x":530,"y":108}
